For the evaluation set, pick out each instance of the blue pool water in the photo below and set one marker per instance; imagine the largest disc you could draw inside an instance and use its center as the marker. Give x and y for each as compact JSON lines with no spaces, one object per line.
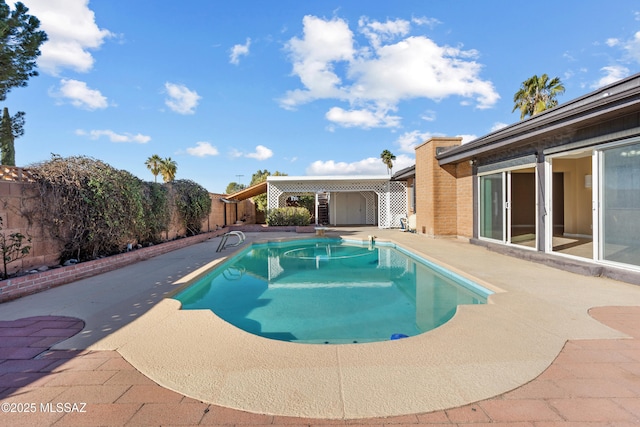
{"x":331,"y":291}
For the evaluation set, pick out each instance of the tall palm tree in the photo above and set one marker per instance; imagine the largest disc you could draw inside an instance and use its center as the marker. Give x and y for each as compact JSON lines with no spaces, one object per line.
{"x":153,"y":164}
{"x":168,"y":169}
{"x":537,"y":94}
{"x":388,"y":158}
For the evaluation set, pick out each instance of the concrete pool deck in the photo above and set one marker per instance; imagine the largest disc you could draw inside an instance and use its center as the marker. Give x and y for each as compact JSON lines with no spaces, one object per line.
{"x":482,"y":352}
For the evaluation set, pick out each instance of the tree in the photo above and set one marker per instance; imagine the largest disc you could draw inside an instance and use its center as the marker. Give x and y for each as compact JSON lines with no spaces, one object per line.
{"x":234,"y":187}
{"x":20,"y":42}
{"x":10,"y":129}
{"x":388,"y":158}
{"x":537,"y":94}
{"x":7,"y":140}
{"x":168,"y":169}
{"x":154,"y":164}
{"x":12,"y":249}
{"x":257,"y":178}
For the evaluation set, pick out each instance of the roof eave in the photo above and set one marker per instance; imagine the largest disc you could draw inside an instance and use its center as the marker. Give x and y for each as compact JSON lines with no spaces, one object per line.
{"x":571,"y":113}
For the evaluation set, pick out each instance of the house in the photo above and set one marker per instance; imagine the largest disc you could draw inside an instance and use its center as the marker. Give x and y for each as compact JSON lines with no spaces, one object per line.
{"x":563,"y":185}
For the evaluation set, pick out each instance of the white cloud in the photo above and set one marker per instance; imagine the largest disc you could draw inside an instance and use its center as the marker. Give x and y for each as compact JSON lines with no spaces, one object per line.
{"x":72,"y":31}
{"x":409,"y":140}
{"x":80,"y":95}
{"x":633,"y":47}
{"x":235,"y":153}
{"x":203,"y":149}
{"x":324,"y":44}
{"x":378,"y":32}
{"x":429,"y":22}
{"x":467,"y":138}
{"x":115,"y":137}
{"x":368,"y":166}
{"x":428,"y":116}
{"x":239,"y":50}
{"x":361,"y":118}
{"x":377,"y":77}
{"x":261,"y":153}
{"x":611,"y":42}
{"x":417,"y":67}
{"x":612,"y":73}
{"x":181,"y":99}
{"x":498,"y":125}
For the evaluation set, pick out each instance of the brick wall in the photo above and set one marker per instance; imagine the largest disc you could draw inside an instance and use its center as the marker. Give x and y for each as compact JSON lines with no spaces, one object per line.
{"x":424,"y":204}
{"x":437,"y":190}
{"x":464,"y":174}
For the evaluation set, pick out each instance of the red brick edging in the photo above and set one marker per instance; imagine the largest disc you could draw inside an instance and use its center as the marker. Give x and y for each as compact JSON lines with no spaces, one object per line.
{"x":32,"y":283}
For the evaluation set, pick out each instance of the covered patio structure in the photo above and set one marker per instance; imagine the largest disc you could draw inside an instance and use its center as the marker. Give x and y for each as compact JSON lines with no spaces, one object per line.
{"x":344,"y":200}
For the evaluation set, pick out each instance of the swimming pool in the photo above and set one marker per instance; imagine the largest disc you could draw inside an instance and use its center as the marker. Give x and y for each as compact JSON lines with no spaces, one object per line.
{"x":331,"y":291}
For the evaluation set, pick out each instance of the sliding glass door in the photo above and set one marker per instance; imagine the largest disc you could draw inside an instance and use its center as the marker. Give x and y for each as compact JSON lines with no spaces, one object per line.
{"x":620,"y":207}
{"x":492,"y":206}
{"x":508,"y":206}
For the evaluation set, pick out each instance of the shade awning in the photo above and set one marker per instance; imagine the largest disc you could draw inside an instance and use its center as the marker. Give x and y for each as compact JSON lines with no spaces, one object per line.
{"x":247,"y":193}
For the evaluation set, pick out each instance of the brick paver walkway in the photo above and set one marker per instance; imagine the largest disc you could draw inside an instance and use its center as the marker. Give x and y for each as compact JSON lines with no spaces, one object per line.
{"x":591,"y":383}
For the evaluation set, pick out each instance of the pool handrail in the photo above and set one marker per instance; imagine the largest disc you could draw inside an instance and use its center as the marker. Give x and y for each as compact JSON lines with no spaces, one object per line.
{"x":223,"y":242}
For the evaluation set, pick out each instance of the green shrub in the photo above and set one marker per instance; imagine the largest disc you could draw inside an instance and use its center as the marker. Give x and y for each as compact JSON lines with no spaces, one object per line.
{"x":289,"y":216}
{"x":193,"y":204}
{"x":157,"y":212}
{"x":93,"y":209}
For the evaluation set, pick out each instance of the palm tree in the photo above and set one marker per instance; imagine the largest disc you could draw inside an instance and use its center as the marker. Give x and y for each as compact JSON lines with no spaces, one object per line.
{"x":153,"y":164}
{"x":537,"y":94}
{"x":168,"y":169}
{"x":388,"y":158}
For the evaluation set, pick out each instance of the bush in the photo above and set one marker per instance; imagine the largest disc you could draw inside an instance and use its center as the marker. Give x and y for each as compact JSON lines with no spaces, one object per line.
{"x":193,"y":204}
{"x":289,"y":216}
{"x":93,"y":209}
{"x":157,"y":212}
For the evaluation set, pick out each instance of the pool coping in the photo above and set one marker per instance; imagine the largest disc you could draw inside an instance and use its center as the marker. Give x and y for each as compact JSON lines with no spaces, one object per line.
{"x":483,"y":351}
{"x":462,"y":280}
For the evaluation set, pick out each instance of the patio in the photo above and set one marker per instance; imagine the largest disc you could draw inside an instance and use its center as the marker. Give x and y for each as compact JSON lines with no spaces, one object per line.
{"x":595,"y":377}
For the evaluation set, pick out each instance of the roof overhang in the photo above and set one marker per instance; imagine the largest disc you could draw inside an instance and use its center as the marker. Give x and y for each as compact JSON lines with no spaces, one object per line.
{"x":404,"y":174}
{"x":348,"y":178}
{"x":615,"y":100}
{"x":247,"y":193}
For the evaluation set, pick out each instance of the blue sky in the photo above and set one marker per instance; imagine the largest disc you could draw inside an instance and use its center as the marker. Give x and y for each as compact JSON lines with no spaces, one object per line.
{"x":305,"y":88}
